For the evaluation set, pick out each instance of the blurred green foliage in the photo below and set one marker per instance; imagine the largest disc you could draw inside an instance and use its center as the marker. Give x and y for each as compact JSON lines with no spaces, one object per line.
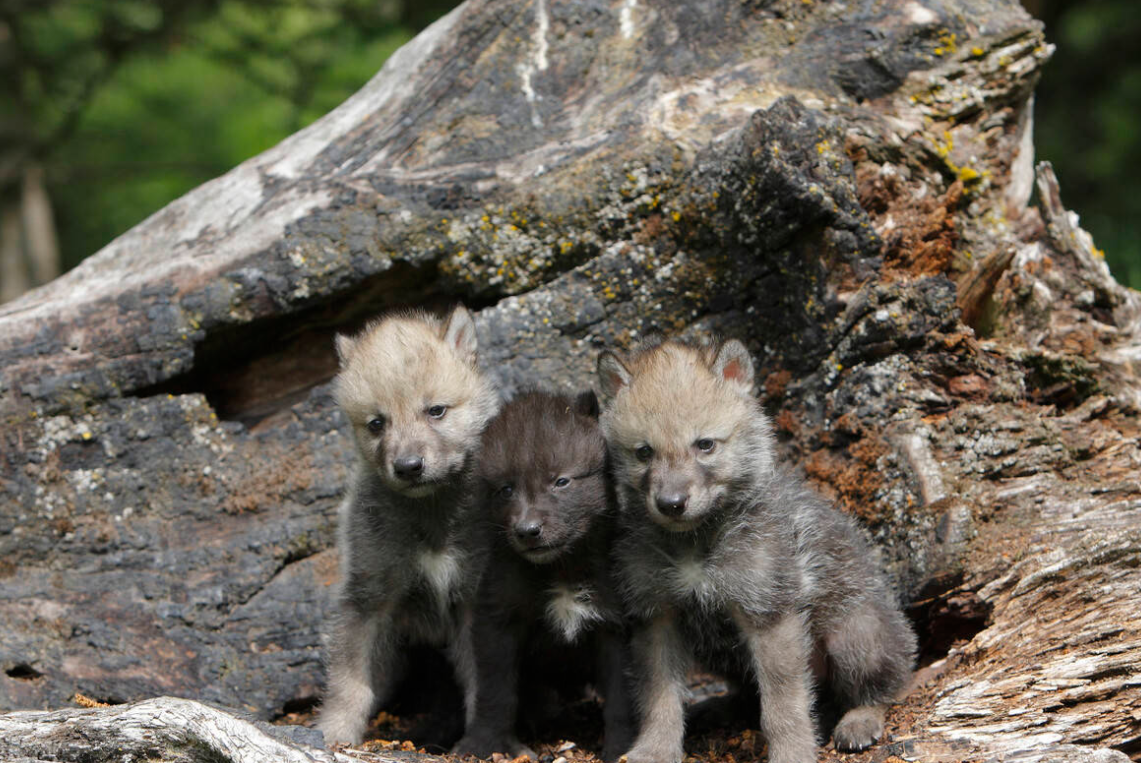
{"x":131,"y":103}
{"x":1087,"y":112}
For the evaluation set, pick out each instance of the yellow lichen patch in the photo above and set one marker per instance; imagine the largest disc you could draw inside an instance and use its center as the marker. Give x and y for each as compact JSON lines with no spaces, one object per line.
{"x":944,"y":149}
{"x":949,"y":41}
{"x":969,"y":174}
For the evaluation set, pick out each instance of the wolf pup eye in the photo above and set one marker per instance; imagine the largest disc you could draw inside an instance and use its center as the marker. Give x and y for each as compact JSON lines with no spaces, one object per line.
{"x":705,"y":445}
{"x":562,"y":482}
{"x":376,"y":425}
{"x":506,"y":491}
{"x":437,"y":411}
{"x":643,"y":452}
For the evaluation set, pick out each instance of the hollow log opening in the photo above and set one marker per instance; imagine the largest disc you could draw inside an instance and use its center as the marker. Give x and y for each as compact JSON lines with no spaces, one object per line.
{"x":251,"y":371}
{"x":23,"y":672}
{"x":945,"y":616}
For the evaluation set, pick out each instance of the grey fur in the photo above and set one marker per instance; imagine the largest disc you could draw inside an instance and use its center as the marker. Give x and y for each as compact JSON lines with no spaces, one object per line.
{"x":767,"y":574}
{"x":410,"y":552}
{"x":387,"y":600}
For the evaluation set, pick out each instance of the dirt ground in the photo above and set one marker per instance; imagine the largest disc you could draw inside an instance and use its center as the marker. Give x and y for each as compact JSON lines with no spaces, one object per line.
{"x":722,"y":728}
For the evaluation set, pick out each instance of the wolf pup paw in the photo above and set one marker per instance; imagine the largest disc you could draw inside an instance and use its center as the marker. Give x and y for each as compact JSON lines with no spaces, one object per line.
{"x":485,"y":746}
{"x":646,"y":754}
{"x":858,"y":729}
{"x":341,"y":729}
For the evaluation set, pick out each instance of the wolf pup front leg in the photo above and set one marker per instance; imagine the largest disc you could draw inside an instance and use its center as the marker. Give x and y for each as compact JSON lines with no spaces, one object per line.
{"x":410,"y":552}
{"x":362,"y":653}
{"x":490,"y":729}
{"x":619,"y":714}
{"x":780,"y":653}
{"x":660,"y":663}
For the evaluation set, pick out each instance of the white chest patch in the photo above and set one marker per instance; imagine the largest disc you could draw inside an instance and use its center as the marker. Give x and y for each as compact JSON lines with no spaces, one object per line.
{"x":692,"y":577}
{"x":570,"y":610}
{"x":441,"y":569}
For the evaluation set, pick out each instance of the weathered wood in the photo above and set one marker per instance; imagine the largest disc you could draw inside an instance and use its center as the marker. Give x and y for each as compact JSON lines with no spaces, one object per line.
{"x":164,"y":729}
{"x":844,"y":187}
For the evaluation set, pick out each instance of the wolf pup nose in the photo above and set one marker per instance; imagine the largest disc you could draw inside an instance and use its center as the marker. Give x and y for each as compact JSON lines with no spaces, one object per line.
{"x":417,"y":403}
{"x":715,"y":534}
{"x":408,"y":467}
{"x":546,"y":603}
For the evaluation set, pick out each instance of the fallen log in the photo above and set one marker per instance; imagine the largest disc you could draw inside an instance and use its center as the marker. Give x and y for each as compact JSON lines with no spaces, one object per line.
{"x":847,"y":189}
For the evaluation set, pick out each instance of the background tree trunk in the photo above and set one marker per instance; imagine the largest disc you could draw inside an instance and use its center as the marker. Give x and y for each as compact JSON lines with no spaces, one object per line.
{"x":846,"y":188}
{"x":29,"y":251}
{"x":39,"y":226}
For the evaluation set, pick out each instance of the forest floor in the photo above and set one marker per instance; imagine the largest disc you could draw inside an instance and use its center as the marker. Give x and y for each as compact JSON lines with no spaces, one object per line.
{"x":722,"y":728}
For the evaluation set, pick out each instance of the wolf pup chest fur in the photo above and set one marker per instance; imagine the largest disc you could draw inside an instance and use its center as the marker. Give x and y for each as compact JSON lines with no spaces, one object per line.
{"x":541,"y":483}
{"x":723,"y":551}
{"x":417,"y":402}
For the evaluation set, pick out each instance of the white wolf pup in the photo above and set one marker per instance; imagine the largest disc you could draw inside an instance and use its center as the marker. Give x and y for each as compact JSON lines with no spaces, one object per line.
{"x":724,"y":553}
{"x":417,"y":402}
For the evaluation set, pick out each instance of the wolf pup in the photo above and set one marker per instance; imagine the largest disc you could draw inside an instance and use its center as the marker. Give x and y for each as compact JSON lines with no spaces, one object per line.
{"x":417,"y":402}
{"x":542,"y":482}
{"x":717,"y":539}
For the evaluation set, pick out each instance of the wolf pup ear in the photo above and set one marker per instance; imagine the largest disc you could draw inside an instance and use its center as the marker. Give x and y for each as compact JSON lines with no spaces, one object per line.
{"x":459,"y":332}
{"x":586,"y":404}
{"x":612,"y":375}
{"x":734,"y":365}
{"x":344,"y":344}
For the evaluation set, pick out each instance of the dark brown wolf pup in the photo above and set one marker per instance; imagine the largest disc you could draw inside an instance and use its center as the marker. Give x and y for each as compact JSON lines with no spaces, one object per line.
{"x":546,"y":592}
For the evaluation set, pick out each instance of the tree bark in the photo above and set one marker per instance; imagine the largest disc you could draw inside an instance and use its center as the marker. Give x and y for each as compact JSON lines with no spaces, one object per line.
{"x":39,"y":226}
{"x":14,"y":278}
{"x":844,"y":187}
{"x":29,"y":251}
{"x":162,"y":729}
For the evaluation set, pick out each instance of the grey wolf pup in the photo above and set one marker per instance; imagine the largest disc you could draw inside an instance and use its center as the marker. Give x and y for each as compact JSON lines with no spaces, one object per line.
{"x":718,"y":540}
{"x":546,"y":593}
{"x":417,"y":403}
